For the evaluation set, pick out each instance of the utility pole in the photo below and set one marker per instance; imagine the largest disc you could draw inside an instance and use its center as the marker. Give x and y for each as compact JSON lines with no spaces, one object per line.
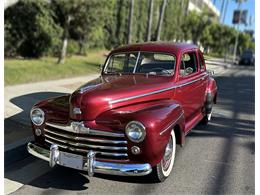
{"x":237,"y":35}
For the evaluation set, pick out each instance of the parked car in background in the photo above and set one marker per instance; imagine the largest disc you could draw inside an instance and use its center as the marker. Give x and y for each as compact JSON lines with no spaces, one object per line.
{"x":247,"y":58}
{"x":128,"y":121}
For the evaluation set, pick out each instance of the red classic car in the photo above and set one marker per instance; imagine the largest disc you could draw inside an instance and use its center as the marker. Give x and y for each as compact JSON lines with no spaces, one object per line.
{"x":129,"y":120}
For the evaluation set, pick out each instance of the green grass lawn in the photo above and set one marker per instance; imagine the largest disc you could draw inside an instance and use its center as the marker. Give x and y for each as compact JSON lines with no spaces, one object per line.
{"x":19,"y":71}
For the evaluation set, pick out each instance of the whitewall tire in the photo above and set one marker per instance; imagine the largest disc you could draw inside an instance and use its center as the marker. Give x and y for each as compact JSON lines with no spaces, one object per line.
{"x":164,"y":168}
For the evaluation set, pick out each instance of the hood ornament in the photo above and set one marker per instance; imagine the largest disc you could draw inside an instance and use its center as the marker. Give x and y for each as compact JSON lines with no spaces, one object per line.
{"x":78,"y":127}
{"x":76,"y":110}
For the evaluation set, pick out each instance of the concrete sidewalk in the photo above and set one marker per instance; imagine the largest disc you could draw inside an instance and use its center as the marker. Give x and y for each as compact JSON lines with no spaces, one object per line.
{"x":19,"y":100}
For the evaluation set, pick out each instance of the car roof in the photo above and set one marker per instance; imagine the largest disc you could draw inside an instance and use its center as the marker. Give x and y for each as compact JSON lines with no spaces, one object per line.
{"x":167,"y":47}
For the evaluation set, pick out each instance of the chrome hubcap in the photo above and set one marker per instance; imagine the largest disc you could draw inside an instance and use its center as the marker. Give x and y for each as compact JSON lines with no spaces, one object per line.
{"x":167,"y":155}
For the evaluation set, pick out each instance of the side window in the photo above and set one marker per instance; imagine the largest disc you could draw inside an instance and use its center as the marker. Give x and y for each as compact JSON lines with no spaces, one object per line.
{"x":188,"y":64}
{"x":201,"y":62}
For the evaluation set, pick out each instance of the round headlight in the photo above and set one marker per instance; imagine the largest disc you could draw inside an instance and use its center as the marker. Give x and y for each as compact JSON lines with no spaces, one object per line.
{"x":37,"y":116}
{"x":135,"y":131}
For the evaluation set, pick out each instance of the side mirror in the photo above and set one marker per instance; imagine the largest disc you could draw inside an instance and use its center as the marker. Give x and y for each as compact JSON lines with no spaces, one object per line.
{"x":211,"y":72}
{"x":100,"y":67}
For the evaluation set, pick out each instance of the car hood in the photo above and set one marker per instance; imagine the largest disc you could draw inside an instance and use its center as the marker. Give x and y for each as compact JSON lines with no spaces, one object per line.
{"x":109,"y":92}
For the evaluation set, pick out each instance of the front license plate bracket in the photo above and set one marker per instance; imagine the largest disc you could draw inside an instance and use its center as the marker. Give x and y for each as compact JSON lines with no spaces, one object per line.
{"x":71,"y":160}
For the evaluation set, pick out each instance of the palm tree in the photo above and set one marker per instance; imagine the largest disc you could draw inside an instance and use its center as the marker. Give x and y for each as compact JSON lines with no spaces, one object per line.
{"x":130,"y":21}
{"x":149,"y":21}
{"x":159,"y":26}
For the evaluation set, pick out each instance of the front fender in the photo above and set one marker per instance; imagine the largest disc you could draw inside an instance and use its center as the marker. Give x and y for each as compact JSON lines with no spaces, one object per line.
{"x":159,"y":118}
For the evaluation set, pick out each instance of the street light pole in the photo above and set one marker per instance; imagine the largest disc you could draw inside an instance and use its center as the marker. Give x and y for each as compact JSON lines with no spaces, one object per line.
{"x":237,"y":35}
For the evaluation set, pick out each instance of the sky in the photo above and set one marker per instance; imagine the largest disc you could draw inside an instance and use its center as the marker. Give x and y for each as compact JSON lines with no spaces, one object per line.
{"x":232,"y":5}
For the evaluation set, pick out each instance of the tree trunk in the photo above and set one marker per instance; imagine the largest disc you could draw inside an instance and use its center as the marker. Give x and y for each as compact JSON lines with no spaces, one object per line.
{"x":63,"y":51}
{"x":149,"y":21}
{"x":159,"y":26}
{"x":187,"y":8}
{"x":130,"y":21}
{"x":140,"y":24}
{"x":81,"y":44}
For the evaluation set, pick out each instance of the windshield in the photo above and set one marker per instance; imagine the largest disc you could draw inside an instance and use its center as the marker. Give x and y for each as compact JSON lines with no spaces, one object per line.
{"x":141,"y":62}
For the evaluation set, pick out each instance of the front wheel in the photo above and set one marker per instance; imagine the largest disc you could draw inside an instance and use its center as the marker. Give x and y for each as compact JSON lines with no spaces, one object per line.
{"x":162,"y":170}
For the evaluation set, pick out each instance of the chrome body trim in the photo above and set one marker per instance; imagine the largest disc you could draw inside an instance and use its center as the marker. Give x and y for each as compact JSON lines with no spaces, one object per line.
{"x":86,"y":145}
{"x":85,"y":150}
{"x":91,"y":165}
{"x":167,"y":128}
{"x":86,"y":138}
{"x":78,"y":127}
{"x":156,"y":92}
{"x":137,"y":60}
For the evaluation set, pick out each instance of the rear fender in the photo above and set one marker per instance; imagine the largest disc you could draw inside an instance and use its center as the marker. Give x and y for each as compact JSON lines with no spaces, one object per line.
{"x":211,"y":91}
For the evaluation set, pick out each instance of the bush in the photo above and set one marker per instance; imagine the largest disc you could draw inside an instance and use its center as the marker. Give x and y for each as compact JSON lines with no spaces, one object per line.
{"x":30,"y":30}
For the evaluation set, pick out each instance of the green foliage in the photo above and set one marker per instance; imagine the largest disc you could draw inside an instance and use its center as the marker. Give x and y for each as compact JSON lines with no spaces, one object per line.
{"x":218,"y":37}
{"x":245,"y":42}
{"x":30,"y":30}
{"x":35,"y":27}
{"x":86,"y":21}
{"x":195,"y":24}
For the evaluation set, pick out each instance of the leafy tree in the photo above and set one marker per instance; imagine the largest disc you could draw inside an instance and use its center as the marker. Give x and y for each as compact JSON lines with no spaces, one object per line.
{"x":194,"y":24}
{"x":116,"y":23}
{"x":218,"y":38}
{"x":245,"y":42}
{"x":30,"y":30}
{"x":81,"y":20}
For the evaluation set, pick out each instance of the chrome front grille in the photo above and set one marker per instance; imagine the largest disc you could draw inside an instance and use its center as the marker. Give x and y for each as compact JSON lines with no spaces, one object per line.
{"x":107,"y":145}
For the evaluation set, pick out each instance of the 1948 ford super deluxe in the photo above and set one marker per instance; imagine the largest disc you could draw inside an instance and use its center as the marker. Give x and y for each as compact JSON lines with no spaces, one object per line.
{"x":129,"y":120}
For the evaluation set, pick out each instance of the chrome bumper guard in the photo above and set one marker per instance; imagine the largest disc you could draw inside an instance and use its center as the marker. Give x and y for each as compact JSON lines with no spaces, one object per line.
{"x":92,"y":166}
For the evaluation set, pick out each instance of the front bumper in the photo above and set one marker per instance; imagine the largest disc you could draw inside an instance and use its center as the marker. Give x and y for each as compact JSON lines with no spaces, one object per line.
{"x":91,"y":165}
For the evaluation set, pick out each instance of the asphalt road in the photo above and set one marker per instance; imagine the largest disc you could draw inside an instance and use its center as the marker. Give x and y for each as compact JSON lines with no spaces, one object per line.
{"x":216,"y":159}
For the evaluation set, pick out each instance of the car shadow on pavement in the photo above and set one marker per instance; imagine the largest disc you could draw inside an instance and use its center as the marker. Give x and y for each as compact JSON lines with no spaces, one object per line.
{"x":26,"y":102}
{"x":62,"y":178}
{"x":17,"y":128}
